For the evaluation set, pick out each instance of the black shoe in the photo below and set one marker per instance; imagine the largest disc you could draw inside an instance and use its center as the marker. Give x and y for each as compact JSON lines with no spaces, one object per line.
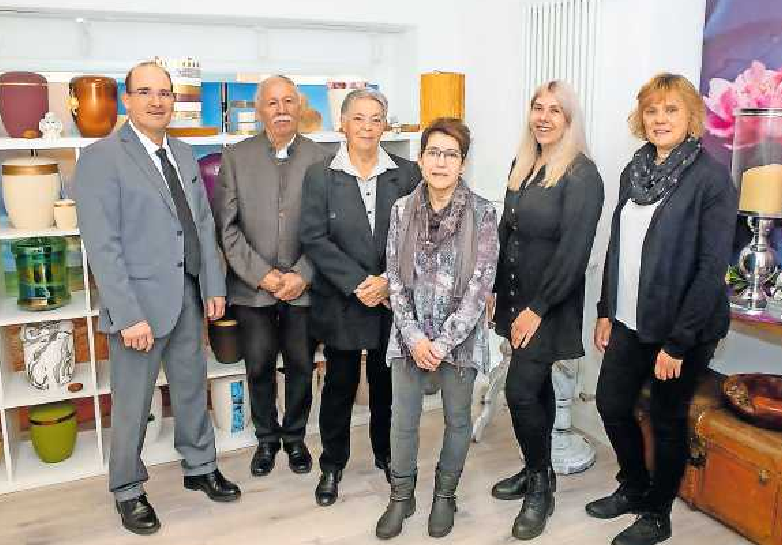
{"x":138,"y":516}
{"x":385,"y":465}
{"x":538,"y":506}
{"x":299,"y":458}
{"x":623,"y":500}
{"x":327,"y":491}
{"x":214,"y":485}
{"x":263,"y":459}
{"x":401,"y":505}
{"x":648,"y":529}
{"x":515,"y":486}
{"x":511,"y":488}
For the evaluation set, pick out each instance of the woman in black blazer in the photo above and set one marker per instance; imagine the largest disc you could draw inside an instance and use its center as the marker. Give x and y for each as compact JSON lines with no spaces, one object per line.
{"x":345,"y":215}
{"x":663,"y":305}
{"x":552,"y":206}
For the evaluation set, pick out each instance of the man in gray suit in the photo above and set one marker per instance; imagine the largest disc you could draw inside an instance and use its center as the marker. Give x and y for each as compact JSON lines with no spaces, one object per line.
{"x":257,"y":204}
{"x":149,"y":234}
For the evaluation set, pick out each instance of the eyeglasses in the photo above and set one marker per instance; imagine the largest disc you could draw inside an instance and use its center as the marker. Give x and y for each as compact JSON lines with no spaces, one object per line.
{"x":148,"y":94}
{"x":450,"y":155}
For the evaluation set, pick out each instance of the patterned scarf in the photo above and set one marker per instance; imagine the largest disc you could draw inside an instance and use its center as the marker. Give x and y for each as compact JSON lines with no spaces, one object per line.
{"x":651,"y":182}
{"x":458,"y":222}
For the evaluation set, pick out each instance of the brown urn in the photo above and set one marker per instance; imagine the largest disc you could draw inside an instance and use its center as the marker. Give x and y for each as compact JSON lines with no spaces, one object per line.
{"x":24,"y":100}
{"x":94,"y":105}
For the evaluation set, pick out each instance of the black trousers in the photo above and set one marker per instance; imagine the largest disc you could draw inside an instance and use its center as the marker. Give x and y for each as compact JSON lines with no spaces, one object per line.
{"x":343,"y":373}
{"x":627,"y":365}
{"x":266,"y":331}
{"x":530,"y":396}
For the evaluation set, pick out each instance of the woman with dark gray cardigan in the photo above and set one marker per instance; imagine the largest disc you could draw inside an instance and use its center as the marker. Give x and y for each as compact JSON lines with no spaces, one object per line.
{"x":664,"y":305}
{"x":552,"y":206}
{"x":441,"y":262}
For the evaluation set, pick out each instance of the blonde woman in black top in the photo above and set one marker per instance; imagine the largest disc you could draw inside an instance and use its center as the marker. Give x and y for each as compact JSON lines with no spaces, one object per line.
{"x":552,"y":206}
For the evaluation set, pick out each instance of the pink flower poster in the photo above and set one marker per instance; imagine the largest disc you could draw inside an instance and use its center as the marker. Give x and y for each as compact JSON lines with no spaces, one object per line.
{"x":742,"y":65}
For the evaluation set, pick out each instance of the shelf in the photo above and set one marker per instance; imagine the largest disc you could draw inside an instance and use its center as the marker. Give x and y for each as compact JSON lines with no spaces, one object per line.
{"x":162,"y":450}
{"x":19,"y":393}
{"x":30,"y":472}
{"x":214,"y":369}
{"x":226,"y":441}
{"x":10,"y":233}
{"x":11,"y":314}
{"x":216,"y":140}
{"x":40,"y":143}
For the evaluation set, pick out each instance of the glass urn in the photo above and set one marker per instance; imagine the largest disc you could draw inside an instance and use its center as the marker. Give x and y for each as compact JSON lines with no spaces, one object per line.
{"x":42,"y":269}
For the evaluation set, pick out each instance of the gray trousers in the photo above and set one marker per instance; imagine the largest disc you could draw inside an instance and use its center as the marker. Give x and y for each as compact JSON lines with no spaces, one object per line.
{"x":407,"y":387}
{"x":133,"y":376}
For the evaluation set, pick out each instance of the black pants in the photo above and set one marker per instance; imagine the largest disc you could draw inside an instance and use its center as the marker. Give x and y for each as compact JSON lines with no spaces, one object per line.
{"x":266,"y":331}
{"x":627,"y":365}
{"x":530,"y":396}
{"x":343,"y":373}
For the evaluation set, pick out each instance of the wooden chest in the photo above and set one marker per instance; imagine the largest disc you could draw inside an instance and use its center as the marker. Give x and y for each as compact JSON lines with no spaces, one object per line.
{"x":735,"y":475}
{"x":735,"y":469}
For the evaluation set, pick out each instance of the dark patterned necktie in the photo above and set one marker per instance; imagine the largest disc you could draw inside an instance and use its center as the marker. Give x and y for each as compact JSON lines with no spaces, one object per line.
{"x":189,"y":231}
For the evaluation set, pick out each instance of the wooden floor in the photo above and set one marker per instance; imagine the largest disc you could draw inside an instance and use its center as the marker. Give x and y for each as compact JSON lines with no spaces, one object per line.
{"x":280,"y":508}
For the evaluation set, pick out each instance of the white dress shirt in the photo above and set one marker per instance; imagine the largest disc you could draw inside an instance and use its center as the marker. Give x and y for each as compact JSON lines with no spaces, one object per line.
{"x":151,"y":148}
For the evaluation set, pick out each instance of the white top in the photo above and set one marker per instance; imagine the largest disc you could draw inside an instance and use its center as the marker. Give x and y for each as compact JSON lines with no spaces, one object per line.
{"x":368,"y":187}
{"x":151,"y":148}
{"x":633,"y":225}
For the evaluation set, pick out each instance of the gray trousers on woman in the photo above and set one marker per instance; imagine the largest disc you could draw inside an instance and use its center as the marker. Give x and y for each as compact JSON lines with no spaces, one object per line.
{"x":407,"y":387}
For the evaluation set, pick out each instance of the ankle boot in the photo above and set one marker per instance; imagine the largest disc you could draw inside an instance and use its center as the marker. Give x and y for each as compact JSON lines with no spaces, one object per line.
{"x":537,"y":507}
{"x":400,"y":506}
{"x":443,"y":503}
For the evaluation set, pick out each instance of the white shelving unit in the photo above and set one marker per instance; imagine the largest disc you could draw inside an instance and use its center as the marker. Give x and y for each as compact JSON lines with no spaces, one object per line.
{"x":404,"y":144}
{"x":20,"y":467}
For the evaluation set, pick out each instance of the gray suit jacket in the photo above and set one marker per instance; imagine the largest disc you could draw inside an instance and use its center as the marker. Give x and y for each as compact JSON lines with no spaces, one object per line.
{"x":130,"y":229}
{"x":257,"y":205}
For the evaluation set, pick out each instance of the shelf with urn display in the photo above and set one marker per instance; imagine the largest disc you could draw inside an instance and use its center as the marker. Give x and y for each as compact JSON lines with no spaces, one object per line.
{"x":79,"y":398}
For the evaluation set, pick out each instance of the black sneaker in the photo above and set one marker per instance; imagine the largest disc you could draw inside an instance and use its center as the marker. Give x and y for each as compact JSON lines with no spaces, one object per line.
{"x":648,"y":529}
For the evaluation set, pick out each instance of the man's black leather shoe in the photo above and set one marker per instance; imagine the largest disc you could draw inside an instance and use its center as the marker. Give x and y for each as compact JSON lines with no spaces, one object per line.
{"x":299,"y":458}
{"x":214,"y":485}
{"x":263,"y":459}
{"x":327,"y":491}
{"x":138,"y":516}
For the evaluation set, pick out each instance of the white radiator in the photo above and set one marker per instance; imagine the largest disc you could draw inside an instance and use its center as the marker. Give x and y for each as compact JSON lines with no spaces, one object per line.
{"x":560,"y":42}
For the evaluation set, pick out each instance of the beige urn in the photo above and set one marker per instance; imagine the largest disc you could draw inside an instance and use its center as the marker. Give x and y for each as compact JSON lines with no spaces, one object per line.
{"x":31,"y":185}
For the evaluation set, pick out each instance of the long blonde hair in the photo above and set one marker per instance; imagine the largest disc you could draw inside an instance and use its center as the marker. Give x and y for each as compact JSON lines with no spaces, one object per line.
{"x":572,"y":143}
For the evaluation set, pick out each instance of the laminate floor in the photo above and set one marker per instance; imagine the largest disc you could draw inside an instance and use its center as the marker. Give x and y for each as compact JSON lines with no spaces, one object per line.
{"x":280,"y":508}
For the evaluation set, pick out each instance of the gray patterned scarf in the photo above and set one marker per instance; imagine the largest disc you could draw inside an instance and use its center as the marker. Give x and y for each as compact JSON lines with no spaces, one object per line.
{"x":459,"y":222}
{"x":651,"y":182}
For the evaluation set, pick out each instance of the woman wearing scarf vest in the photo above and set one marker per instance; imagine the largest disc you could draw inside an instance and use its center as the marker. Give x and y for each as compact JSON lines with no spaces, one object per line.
{"x":552,"y":206}
{"x":663,"y":305}
{"x":441,"y":262}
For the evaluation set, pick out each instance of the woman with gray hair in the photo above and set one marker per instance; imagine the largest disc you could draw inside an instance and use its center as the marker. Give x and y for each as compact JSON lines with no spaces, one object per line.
{"x":345,"y":211}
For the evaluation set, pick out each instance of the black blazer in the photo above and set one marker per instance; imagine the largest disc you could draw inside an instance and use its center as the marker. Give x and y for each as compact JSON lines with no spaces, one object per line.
{"x":682,"y":299}
{"x":336,"y":237}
